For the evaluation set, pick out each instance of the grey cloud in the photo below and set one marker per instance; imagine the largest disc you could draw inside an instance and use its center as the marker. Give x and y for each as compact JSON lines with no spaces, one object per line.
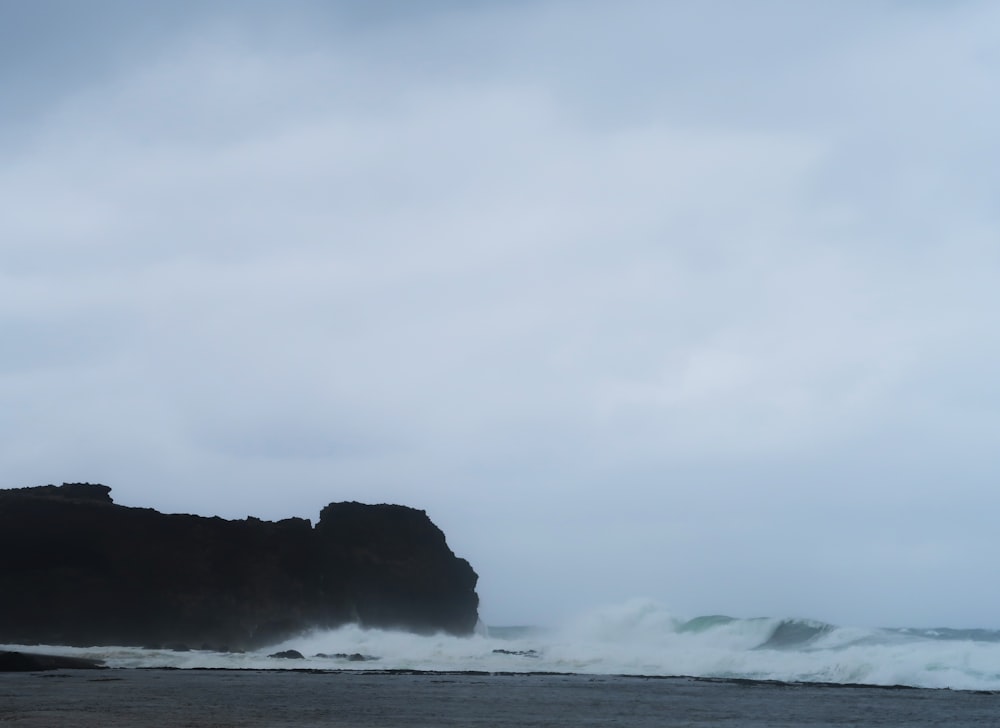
{"x":651,"y":301}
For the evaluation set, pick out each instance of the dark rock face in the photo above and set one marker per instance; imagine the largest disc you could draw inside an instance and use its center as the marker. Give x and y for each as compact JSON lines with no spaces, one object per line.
{"x":288,"y":655}
{"x":28,"y":662}
{"x":77,"y":569}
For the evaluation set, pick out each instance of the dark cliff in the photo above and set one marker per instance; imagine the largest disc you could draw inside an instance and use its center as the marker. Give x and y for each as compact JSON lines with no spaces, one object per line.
{"x":77,"y":569}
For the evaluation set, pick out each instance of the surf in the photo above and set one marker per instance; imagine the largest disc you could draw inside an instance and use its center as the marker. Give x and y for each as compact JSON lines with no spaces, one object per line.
{"x":639,"y":637}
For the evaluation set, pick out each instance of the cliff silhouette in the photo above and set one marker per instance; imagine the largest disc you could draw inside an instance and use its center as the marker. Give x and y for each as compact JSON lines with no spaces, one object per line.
{"x":78,"y":569}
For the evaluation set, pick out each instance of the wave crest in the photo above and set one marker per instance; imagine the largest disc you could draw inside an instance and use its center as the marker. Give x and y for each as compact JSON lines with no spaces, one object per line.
{"x":638,"y":637}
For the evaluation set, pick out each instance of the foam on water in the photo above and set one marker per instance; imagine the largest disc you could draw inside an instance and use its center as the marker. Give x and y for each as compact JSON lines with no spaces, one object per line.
{"x":638,"y":637}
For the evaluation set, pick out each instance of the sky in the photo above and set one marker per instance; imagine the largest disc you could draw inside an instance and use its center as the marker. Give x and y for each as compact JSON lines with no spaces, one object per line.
{"x":693,"y":302}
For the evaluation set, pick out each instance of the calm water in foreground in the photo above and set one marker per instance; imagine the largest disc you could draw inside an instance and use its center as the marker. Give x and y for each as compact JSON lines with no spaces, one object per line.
{"x":224,"y":698}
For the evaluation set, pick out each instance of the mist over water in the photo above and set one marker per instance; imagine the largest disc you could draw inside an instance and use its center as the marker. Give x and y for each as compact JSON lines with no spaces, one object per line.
{"x":639,"y":637}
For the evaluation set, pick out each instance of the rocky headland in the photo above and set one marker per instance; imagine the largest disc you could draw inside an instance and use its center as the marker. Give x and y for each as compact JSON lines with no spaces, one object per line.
{"x":78,"y":569}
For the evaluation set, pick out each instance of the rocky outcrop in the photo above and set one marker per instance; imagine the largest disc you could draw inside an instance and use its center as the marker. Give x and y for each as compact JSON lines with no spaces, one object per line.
{"x":31,"y":662}
{"x":77,"y":569}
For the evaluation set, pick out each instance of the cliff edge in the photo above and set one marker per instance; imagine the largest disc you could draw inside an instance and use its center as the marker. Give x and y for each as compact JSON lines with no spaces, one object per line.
{"x":78,"y":569}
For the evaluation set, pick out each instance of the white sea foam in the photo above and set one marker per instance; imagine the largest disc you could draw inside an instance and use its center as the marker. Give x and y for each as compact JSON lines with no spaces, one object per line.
{"x":638,"y":637}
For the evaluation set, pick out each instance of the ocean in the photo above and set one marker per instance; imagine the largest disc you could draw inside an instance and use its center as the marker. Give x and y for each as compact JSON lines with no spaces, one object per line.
{"x":638,"y":638}
{"x":361,"y":699}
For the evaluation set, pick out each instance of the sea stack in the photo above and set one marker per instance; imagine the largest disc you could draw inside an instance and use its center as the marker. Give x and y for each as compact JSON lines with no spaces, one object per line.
{"x":78,"y":569}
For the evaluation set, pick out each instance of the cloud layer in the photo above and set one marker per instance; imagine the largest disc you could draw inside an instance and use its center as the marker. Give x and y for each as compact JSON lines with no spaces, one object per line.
{"x":688,"y":302}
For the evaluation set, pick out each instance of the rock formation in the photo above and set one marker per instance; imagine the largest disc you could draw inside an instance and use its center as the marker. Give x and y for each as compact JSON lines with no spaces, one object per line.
{"x":77,"y":569}
{"x":30,"y":662}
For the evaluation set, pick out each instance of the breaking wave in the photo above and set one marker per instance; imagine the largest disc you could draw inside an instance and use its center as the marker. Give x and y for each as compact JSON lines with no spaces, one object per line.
{"x":636,"y":638}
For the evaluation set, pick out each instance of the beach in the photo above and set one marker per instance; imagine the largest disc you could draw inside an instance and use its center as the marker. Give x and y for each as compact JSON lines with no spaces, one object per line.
{"x":119,"y":698}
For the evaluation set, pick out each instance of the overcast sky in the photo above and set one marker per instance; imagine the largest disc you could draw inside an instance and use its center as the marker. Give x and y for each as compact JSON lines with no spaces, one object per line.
{"x":694,"y":301}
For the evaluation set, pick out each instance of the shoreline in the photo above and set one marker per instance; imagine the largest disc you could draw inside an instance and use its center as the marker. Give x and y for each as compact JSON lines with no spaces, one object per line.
{"x":47,"y":662}
{"x":251,"y":698}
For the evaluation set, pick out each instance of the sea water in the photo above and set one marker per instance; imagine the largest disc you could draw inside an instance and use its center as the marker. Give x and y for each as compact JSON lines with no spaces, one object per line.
{"x":360,"y":699}
{"x":639,"y":638}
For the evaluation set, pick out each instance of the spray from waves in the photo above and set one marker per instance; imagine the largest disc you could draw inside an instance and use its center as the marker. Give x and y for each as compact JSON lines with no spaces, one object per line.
{"x":639,"y":638}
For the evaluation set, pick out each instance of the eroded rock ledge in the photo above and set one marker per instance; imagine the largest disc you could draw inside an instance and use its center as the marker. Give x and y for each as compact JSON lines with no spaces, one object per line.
{"x":78,"y":569}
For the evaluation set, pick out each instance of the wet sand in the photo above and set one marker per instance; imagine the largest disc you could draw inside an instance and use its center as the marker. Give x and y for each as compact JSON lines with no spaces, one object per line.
{"x":224,"y":698}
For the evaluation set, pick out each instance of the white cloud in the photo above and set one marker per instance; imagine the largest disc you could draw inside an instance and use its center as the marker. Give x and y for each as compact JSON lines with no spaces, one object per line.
{"x":618,"y":314}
